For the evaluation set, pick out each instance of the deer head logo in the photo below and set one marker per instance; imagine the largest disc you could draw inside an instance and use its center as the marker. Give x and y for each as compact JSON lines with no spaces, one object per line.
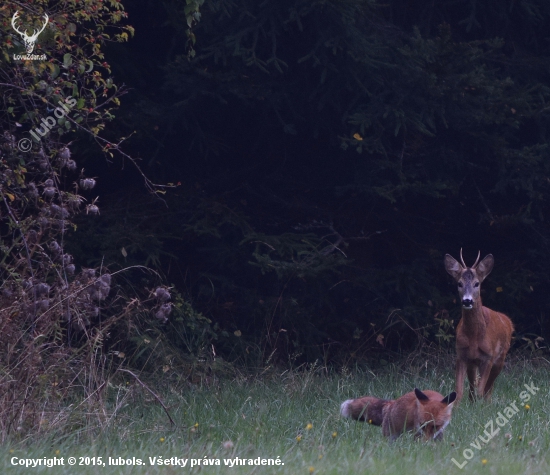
{"x":29,"y":40}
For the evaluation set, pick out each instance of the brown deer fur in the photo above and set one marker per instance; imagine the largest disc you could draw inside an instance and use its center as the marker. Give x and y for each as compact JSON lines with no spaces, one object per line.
{"x":483,"y":336}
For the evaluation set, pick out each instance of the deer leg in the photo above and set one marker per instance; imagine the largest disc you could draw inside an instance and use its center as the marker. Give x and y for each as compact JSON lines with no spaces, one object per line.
{"x":484,"y":372}
{"x":472,"y":374}
{"x":495,"y":371}
{"x":460,"y":374}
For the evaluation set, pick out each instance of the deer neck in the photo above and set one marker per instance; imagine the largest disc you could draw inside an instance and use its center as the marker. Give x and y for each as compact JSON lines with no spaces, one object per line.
{"x":473,"y":319}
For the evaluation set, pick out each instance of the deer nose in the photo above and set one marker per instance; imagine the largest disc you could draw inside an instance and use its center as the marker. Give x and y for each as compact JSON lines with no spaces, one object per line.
{"x":467,"y":303}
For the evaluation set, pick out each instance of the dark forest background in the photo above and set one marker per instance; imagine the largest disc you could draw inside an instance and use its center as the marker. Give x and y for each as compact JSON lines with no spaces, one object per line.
{"x":325,"y":156}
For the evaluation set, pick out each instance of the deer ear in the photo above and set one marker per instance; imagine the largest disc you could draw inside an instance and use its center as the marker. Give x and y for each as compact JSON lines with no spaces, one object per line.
{"x":453,"y":267}
{"x":449,"y":399}
{"x":420,"y":395}
{"x":485,"y":267}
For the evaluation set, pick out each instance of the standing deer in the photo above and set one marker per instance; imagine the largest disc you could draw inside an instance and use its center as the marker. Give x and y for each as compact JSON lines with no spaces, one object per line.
{"x":483,"y":336}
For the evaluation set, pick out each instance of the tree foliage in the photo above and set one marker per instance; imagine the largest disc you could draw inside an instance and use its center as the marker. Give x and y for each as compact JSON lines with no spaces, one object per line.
{"x":331,"y":152}
{"x":55,"y":315}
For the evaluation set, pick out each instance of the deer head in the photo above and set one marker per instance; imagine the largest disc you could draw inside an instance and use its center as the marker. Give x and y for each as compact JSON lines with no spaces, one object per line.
{"x":469,"y":279}
{"x":29,"y":40}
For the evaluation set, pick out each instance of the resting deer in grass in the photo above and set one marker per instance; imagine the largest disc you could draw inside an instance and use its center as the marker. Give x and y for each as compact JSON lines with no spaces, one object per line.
{"x":482,"y":336}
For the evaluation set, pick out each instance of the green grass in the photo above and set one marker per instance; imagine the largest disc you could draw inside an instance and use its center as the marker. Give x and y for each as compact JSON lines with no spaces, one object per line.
{"x":263,"y":417}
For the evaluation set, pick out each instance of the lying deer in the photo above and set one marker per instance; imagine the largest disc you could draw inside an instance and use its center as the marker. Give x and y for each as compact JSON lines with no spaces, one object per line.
{"x":482,"y":336}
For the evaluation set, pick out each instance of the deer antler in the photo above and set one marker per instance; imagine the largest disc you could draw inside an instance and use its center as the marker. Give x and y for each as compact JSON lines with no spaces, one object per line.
{"x":29,"y":40}
{"x":465,"y":266}
{"x":475,"y":263}
{"x":47,"y":18}
{"x":15,"y":17}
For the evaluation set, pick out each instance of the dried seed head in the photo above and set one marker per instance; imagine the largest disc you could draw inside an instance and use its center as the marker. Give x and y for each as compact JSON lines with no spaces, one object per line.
{"x":161,"y":316}
{"x":71,"y":165}
{"x":99,"y":294}
{"x":49,"y":192}
{"x":32,"y":191}
{"x":166,"y":308}
{"x":70,"y":269}
{"x":92,"y":209}
{"x":162,"y":294}
{"x":87,"y":183}
{"x":65,"y":153}
{"x":87,"y":275}
{"x":59,"y":211}
{"x":44,"y":304}
{"x":43,"y":222}
{"x":103,"y":293}
{"x":74,"y":201}
{"x":48,"y":182}
{"x":61,"y":224}
{"x":102,"y":285}
{"x":66,"y":259}
{"x":41,"y":288}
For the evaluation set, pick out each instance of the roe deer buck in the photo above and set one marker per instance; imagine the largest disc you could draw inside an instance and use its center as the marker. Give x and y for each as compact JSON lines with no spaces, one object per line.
{"x":482,"y":336}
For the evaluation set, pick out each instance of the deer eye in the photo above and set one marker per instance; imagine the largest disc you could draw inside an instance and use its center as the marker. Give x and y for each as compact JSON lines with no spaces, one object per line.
{"x":460,"y":284}
{"x":476,"y":284}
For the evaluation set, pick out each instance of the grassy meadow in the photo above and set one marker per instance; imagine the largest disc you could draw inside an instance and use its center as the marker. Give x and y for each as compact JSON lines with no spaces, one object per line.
{"x":294,"y":416}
